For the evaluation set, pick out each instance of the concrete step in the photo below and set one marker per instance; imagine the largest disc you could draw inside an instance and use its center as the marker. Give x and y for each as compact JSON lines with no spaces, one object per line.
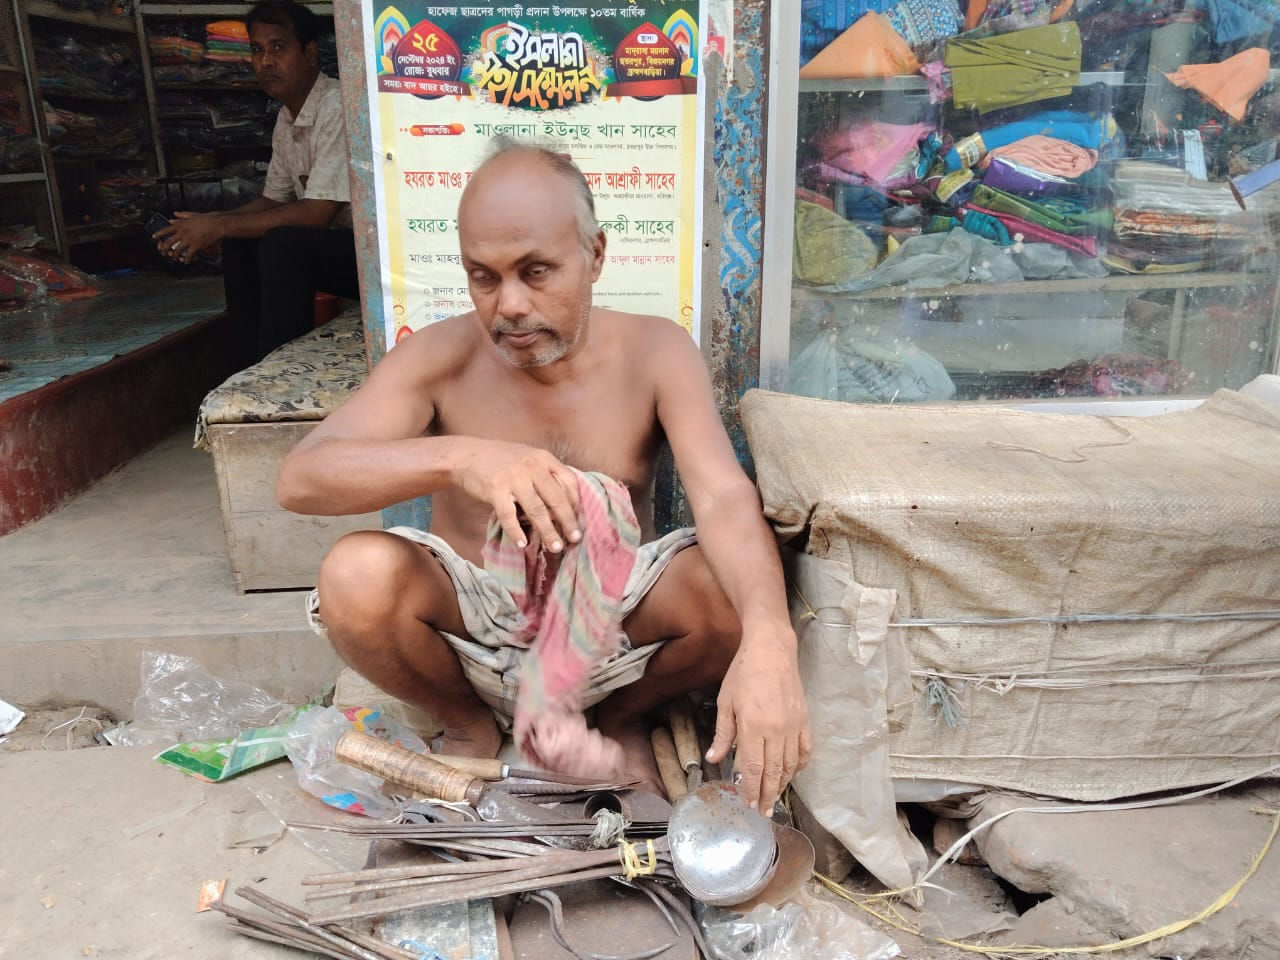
{"x":138,"y":563}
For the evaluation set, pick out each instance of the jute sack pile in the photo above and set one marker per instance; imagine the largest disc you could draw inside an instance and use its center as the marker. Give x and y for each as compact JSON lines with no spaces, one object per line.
{"x":1086,"y":606}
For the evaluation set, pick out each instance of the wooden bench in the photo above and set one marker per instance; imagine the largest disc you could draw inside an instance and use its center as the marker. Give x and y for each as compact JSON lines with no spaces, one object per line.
{"x":250,"y":422}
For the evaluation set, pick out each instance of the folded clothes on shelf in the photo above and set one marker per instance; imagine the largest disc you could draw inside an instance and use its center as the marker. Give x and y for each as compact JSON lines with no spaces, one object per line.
{"x":828,"y":248}
{"x":1049,"y":155}
{"x":1000,"y":16}
{"x":1082,"y":129}
{"x":871,"y":47}
{"x":925,"y":22}
{"x":1228,"y":85}
{"x":1010,"y":69}
{"x":872,"y":149}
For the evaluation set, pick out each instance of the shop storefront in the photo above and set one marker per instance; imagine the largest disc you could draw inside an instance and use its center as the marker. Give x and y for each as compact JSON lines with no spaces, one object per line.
{"x":983,"y":202}
{"x":1020,"y":200}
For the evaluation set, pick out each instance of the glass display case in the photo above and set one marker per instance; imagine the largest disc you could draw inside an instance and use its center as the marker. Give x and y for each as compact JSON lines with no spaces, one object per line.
{"x":1016,"y":199}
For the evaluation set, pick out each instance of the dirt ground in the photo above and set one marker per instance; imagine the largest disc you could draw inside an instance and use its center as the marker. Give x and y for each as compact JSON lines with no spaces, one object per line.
{"x":81,"y":727}
{"x":64,"y":728}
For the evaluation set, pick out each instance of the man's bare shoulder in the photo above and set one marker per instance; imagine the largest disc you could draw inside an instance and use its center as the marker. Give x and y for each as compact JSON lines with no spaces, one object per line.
{"x":646,"y":330}
{"x":438,"y":349}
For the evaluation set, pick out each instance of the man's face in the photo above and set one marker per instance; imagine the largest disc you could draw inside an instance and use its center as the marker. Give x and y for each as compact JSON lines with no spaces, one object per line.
{"x":527,"y":271}
{"x":284,"y":67}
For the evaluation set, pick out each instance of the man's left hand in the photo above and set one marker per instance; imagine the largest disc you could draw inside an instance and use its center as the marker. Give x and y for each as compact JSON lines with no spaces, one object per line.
{"x":762,"y":707}
{"x":187,"y":235}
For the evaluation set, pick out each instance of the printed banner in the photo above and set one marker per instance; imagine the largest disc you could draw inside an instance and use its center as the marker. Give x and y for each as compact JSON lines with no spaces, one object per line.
{"x":614,"y":85}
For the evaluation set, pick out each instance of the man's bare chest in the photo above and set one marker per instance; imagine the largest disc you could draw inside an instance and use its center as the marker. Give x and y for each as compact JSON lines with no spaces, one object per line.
{"x":618,"y":437}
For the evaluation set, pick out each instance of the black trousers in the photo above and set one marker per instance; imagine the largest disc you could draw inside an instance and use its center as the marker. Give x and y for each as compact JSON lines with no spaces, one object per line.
{"x":271,"y":285}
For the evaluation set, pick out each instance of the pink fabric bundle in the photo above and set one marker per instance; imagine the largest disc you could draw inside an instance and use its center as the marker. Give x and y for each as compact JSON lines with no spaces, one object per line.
{"x":570,"y":628}
{"x":872,"y":149}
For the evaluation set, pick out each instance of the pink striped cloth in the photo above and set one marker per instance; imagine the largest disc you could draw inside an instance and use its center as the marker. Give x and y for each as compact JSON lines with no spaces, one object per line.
{"x":569,"y":626}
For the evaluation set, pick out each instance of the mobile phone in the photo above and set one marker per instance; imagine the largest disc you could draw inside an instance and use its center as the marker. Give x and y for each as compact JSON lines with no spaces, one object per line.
{"x":157,"y":222}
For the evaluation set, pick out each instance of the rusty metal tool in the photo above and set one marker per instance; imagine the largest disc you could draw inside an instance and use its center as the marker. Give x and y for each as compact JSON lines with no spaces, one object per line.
{"x":496,"y":806}
{"x":494,"y":769}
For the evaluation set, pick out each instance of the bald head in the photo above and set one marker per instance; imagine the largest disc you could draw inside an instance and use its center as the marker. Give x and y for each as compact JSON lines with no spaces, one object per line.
{"x":517,"y":160}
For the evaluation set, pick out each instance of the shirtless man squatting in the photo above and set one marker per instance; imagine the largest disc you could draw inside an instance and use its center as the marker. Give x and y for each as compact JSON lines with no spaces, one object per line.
{"x":487,"y":412}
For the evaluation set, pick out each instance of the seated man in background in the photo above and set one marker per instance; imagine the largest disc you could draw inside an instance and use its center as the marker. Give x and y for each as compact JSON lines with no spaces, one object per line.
{"x":296,"y":238}
{"x":498,"y":414}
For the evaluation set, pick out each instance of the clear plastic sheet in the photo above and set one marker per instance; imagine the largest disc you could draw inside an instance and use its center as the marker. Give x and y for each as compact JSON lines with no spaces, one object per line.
{"x":179,"y":700}
{"x":808,"y":927}
{"x":312,"y":741}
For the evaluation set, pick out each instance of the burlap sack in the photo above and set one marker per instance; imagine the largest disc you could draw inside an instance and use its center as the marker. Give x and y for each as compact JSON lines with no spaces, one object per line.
{"x":855,"y":680}
{"x":1089,"y":603}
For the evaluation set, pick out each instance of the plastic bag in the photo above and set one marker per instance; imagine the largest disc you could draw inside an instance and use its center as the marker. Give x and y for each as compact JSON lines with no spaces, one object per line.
{"x":311,"y":742}
{"x":805,"y":928}
{"x":843,"y":366}
{"x":181,"y":701}
{"x":61,"y":281}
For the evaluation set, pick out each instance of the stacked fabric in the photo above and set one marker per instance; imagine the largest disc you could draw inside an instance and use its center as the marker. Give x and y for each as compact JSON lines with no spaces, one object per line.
{"x":26,"y":277}
{"x":1167,"y":222}
{"x":1024,"y":151}
{"x":201,"y":72}
{"x":861,"y":38}
{"x":204,"y":123}
{"x":19,"y":148}
{"x":122,"y":199}
{"x":105,"y":71}
{"x":227,"y":41}
{"x":78,"y":135}
{"x":171,"y":49}
{"x":1112,"y":375}
{"x":1040,"y":183}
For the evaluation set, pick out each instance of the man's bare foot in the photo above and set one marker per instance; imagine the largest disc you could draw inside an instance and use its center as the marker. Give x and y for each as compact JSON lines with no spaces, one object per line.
{"x":479,"y":739}
{"x":637,"y":749}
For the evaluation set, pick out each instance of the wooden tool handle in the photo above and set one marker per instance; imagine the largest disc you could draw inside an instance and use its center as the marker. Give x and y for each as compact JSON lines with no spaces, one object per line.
{"x":491,"y":769}
{"x":406,"y":768}
{"x":680,"y":717}
{"x":664,"y":751}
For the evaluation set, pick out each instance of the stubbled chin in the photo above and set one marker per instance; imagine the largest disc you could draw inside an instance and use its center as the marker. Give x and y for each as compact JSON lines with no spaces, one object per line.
{"x":524,"y":361}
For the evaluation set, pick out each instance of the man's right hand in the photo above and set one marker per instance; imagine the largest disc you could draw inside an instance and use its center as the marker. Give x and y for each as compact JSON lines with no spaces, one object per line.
{"x":522,"y":481}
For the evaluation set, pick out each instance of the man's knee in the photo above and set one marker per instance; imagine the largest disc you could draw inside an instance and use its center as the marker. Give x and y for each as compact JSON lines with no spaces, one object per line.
{"x":359,"y":574}
{"x":373,"y":583}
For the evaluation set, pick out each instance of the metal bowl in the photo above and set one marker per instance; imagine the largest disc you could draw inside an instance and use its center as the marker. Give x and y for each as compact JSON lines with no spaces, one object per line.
{"x":796,"y":858}
{"x":722,"y":852}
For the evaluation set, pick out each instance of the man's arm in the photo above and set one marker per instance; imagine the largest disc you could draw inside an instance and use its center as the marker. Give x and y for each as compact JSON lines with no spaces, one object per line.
{"x":191,"y":233}
{"x":373,"y":451}
{"x":761,"y":704}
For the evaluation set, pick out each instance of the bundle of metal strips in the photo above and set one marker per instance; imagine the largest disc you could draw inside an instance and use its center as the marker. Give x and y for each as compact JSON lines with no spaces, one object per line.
{"x":290,"y":927}
{"x":379,"y":892}
{"x":508,"y":876}
{"x":480,"y":830}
